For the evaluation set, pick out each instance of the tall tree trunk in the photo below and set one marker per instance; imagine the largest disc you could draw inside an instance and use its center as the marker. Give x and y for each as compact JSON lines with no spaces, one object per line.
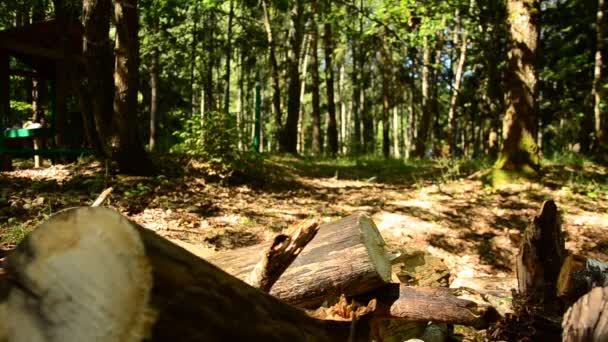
{"x":332,"y":127}
{"x":343,"y":119}
{"x":153,"y":94}
{"x":239,"y":104}
{"x":519,"y":151}
{"x":210,"y":58}
{"x":426,"y":119}
{"x":97,"y":52}
{"x":130,"y":154}
{"x":356,"y":136}
{"x":317,"y":143}
{"x":455,"y":92}
{"x":301,"y":128}
{"x":288,"y":141}
{"x":386,"y":70}
{"x":274,"y":65}
{"x":601,"y":124}
{"x":228,"y":58}
{"x":194,"y":42}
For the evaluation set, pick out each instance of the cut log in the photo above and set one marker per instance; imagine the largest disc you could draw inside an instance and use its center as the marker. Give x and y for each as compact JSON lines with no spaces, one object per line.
{"x":437,"y":304}
{"x":281,"y":253}
{"x":345,"y":257}
{"x":540,"y":258}
{"x":89,"y":274}
{"x":578,"y":276}
{"x":587,"y":319}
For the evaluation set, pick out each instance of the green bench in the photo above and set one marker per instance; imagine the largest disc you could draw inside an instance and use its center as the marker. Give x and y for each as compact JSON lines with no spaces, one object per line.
{"x":7,"y":152}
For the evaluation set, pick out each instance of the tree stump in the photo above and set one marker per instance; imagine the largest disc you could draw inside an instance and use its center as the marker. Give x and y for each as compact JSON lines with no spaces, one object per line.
{"x":540,"y":258}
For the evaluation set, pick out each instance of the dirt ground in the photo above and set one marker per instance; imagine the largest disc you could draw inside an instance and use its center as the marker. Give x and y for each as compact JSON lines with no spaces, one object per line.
{"x":438,"y":206}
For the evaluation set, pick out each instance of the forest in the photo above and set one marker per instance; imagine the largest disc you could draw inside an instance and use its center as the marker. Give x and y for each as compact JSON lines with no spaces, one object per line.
{"x":471,"y":135}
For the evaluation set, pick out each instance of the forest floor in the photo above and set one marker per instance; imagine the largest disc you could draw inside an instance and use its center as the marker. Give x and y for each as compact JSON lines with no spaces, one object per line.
{"x":437,"y":206}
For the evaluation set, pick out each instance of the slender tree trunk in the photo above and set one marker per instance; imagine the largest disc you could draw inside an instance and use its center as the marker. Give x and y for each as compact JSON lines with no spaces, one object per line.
{"x":153,"y":96}
{"x":426,"y":119}
{"x":97,"y":52}
{"x":274,"y":65}
{"x":288,"y":143}
{"x":386,"y":70}
{"x":519,"y":151}
{"x":332,"y":129}
{"x":343,"y":114}
{"x":317,"y":143}
{"x":228,"y":58}
{"x":601,"y":126}
{"x":301,"y":128}
{"x":210,"y":58}
{"x":130,"y":154}
{"x":356,"y":136}
{"x":239,"y":104}
{"x":193,"y":59}
{"x":455,"y":93}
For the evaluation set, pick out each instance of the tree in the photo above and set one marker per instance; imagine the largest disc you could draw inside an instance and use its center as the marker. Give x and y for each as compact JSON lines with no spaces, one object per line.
{"x":332,"y":126}
{"x":519,"y":152}
{"x":129,"y":152}
{"x":601,"y":126}
{"x":289,"y":141}
{"x":317,"y":139}
{"x":97,"y":52}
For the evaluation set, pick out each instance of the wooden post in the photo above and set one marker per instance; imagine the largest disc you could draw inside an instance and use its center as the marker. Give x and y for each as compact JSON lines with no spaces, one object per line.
{"x":5,"y":106}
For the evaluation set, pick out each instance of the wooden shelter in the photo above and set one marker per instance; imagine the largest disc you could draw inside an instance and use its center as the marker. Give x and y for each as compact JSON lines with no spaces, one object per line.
{"x":52,"y":52}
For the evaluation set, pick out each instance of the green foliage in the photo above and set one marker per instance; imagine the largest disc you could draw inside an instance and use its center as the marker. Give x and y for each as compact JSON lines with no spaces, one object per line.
{"x":22,"y":110}
{"x":215,"y":137}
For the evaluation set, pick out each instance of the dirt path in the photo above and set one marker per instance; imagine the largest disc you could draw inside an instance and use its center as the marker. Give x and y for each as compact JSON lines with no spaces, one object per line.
{"x":476,"y":230}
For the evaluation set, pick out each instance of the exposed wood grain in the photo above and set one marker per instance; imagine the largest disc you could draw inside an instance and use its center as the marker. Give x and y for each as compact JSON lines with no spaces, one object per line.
{"x":587,"y":319}
{"x":345,"y":257}
{"x":281,"y":253}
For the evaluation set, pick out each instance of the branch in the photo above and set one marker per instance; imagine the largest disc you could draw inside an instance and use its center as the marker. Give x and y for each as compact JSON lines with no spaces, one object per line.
{"x":281,"y":254}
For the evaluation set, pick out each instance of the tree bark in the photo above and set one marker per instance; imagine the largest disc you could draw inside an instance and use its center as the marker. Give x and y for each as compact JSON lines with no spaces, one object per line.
{"x":587,"y":319}
{"x":332,"y":126}
{"x":137,"y":285}
{"x":601,"y":124}
{"x":455,"y":93}
{"x":345,"y":257}
{"x":130,"y":154}
{"x":97,"y":52}
{"x":153,"y":93}
{"x":427,"y":115}
{"x":274,"y":66}
{"x":519,"y":152}
{"x":289,"y":140}
{"x":386,"y":70}
{"x":317,"y":142}
{"x":228,"y":58}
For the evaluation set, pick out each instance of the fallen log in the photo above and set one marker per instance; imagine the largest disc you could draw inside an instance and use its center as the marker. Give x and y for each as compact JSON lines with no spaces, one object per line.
{"x":345,"y":257}
{"x":437,"y":304}
{"x":587,"y":319}
{"x":540,"y":258}
{"x":578,"y":275}
{"x":89,"y":274}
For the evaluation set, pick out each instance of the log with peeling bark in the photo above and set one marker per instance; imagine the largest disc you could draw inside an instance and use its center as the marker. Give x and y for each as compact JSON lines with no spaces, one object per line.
{"x":437,"y":304}
{"x":345,"y":257}
{"x":540,"y":258}
{"x":578,"y":275}
{"x":281,"y":253}
{"x":587,"y":319}
{"x":90,"y":274}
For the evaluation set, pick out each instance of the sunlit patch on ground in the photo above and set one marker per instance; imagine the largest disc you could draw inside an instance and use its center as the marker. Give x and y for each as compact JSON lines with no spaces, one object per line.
{"x":475,"y":229}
